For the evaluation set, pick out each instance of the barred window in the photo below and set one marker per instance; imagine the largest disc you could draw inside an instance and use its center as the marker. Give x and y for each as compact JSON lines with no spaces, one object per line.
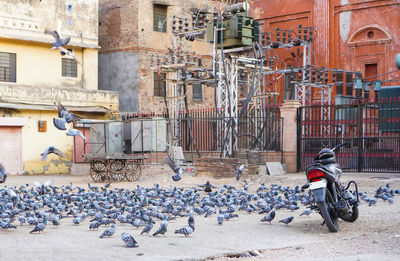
{"x":197,"y":92}
{"x":160,"y":18}
{"x":69,"y":68}
{"x":8,"y":69}
{"x":159,"y":84}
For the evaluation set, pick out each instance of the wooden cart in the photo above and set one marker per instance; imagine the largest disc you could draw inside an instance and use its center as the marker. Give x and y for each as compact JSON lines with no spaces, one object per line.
{"x":105,"y":167}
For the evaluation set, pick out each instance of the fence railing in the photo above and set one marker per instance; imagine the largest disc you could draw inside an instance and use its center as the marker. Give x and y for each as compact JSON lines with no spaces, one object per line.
{"x":371,"y":129}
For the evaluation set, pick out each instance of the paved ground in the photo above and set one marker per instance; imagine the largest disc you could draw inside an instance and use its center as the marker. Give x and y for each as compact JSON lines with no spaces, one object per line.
{"x":374,"y":236}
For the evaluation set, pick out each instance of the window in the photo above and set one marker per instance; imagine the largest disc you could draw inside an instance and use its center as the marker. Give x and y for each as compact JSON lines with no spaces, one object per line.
{"x":159,"y":84}
{"x":7,"y":67}
{"x":69,"y":22}
{"x":69,"y":8}
{"x":197,"y":92}
{"x":160,"y":18}
{"x":69,"y":67}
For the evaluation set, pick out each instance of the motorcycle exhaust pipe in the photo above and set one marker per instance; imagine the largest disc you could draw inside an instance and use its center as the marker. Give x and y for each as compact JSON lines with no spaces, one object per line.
{"x":342,"y":206}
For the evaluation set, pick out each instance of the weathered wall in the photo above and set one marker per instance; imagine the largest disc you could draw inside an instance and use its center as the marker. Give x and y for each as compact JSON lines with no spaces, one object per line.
{"x":342,"y":27}
{"x":118,"y":72}
{"x":126,"y":27}
{"x":29,"y":19}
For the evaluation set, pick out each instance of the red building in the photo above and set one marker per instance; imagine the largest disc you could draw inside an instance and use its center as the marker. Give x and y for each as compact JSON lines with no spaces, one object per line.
{"x":354,"y":35}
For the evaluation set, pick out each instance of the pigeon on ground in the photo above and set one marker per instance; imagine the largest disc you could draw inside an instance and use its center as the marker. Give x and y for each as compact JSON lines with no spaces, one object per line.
{"x":239,"y":171}
{"x":162,"y":229}
{"x":42,"y":188}
{"x":74,"y":132}
{"x":147,"y":228}
{"x":50,"y":150}
{"x":3,"y":174}
{"x":6,"y":225}
{"x":269,"y":217}
{"x":306,"y":212}
{"x":109,"y":232}
{"x":129,"y":240}
{"x":39,"y":227}
{"x":21,"y":220}
{"x":220,"y":218}
{"x":287,"y":220}
{"x":186,"y":230}
{"x":94,"y":225}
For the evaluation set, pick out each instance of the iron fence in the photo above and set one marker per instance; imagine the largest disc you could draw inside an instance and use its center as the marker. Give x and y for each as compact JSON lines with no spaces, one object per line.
{"x":371,"y":130}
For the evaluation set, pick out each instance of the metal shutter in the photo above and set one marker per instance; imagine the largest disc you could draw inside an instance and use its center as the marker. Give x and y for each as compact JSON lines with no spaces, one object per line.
{"x":11,"y":149}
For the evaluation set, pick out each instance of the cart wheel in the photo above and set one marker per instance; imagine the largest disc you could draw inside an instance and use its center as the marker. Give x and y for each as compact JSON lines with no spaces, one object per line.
{"x":97,"y":170}
{"x":116,"y":170}
{"x":97,"y":166}
{"x":133,"y":171}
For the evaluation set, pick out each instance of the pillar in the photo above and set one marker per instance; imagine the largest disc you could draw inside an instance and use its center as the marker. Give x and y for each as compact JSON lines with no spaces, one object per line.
{"x":289,"y":133}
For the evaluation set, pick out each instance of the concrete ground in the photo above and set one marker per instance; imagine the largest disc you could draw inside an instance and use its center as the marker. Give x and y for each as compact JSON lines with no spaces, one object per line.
{"x":374,"y":236}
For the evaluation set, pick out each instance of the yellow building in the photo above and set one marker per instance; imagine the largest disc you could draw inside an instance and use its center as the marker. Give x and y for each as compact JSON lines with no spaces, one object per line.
{"x":33,"y":78}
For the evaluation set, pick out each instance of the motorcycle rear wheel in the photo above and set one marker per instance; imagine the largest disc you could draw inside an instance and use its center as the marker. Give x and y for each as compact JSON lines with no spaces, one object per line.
{"x":354,"y":215}
{"x":328,"y":213}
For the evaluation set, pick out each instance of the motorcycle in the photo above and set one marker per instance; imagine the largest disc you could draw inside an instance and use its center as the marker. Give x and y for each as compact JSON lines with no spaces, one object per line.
{"x":331,"y":199}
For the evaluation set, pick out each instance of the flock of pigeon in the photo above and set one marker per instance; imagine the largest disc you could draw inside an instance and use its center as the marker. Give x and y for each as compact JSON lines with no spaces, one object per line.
{"x":142,"y":207}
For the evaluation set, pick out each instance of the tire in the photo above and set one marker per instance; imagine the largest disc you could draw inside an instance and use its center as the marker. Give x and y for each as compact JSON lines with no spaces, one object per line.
{"x":354,"y":215}
{"x":328,"y":213}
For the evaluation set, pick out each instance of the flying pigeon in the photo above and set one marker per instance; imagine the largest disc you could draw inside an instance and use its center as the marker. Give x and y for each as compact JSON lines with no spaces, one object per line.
{"x":40,"y":227}
{"x":177,"y":170}
{"x":286,"y":220}
{"x":40,"y":188}
{"x":207,"y":186}
{"x":108,"y":232}
{"x":74,"y":132}
{"x":59,"y":123}
{"x":269,"y":217}
{"x":3,"y":174}
{"x":59,"y":41}
{"x":67,"y":116}
{"x":129,"y":240}
{"x":239,"y":171}
{"x":50,"y":150}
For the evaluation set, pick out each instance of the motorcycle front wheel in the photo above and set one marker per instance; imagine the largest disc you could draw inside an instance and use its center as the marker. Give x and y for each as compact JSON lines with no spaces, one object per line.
{"x":328,"y":212}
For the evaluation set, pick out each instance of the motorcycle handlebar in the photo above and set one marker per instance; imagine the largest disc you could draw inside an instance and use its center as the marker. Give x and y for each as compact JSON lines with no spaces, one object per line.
{"x":339,"y":146}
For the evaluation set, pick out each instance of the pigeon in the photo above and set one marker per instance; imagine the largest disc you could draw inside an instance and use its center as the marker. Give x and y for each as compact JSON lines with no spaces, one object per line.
{"x":39,"y":227}
{"x":59,"y":123}
{"x":109,"y":232}
{"x":65,"y":115}
{"x":185,"y":230}
{"x":94,"y":225}
{"x":41,"y":188}
{"x":129,"y":240}
{"x":207,"y":186}
{"x":220,"y":218}
{"x":74,"y":132}
{"x":55,"y":220}
{"x":177,"y":170}
{"x":50,"y":150}
{"x":306,"y":212}
{"x":269,"y":217}
{"x":3,"y":174}
{"x":287,"y":220}
{"x":6,"y":225}
{"x":239,"y":171}
{"x":59,"y":41}
{"x":21,"y":220}
{"x":148,"y":227}
{"x":162,"y":229}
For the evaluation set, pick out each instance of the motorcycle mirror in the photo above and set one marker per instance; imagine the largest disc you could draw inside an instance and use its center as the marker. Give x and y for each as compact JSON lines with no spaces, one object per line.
{"x":339,"y":146}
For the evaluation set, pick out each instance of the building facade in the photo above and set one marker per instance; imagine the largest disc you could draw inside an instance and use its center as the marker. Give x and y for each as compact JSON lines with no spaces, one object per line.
{"x":130,"y":34}
{"x":33,"y":78}
{"x":353,"y":35}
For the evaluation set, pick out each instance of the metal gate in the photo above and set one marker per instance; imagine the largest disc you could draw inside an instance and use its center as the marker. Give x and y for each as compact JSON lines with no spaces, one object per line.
{"x":371,"y":130}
